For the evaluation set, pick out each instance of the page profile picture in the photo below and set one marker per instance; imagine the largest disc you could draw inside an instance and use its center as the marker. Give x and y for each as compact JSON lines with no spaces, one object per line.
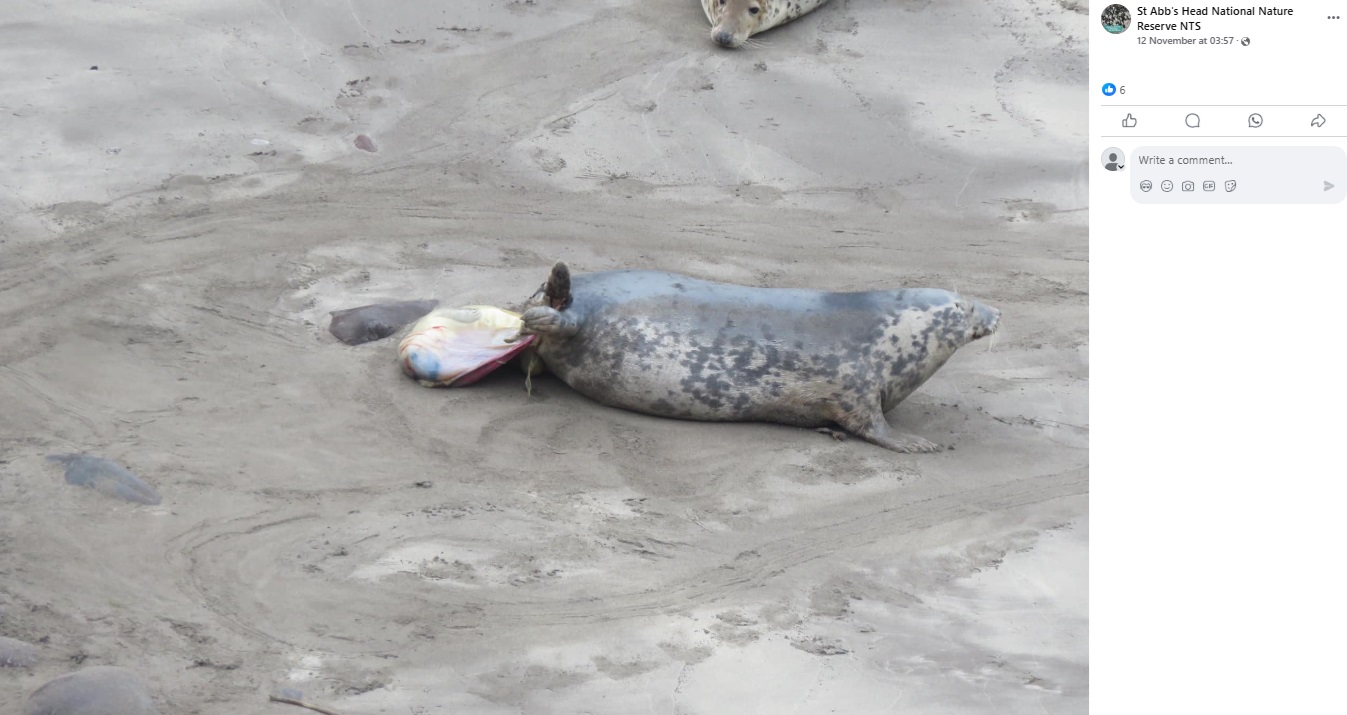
{"x":1116,"y":18}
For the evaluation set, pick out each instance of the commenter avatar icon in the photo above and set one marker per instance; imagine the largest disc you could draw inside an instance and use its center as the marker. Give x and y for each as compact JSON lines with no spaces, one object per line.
{"x":1113,"y":159}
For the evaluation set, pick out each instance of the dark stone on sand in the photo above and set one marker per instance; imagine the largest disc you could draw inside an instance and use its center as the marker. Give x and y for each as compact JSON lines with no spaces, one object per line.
{"x":100,"y":690}
{"x":364,"y":143}
{"x":106,"y":476}
{"x":354,"y":326}
{"x":16,"y":653}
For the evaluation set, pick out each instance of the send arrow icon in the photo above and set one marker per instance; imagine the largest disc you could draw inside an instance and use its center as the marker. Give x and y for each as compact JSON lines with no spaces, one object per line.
{"x":1327,"y":186}
{"x":1318,"y":121}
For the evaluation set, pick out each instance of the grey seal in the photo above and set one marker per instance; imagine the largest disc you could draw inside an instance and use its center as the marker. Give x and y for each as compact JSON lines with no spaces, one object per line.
{"x":675,"y":346}
{"x":106,"y":476}
{"x":734,"y":21}
{"x":99,"y":690}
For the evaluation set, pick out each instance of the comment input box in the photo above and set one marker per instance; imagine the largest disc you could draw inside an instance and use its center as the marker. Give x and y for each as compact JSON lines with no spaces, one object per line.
{"x":1238,"y":175}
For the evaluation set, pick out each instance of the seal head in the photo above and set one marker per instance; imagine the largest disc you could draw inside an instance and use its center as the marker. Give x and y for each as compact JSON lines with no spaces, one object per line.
{"x":733,"y":21}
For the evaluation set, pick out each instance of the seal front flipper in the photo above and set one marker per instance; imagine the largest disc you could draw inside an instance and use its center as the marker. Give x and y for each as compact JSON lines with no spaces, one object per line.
{"x":875,"y":430}
{"x":549,"y":323}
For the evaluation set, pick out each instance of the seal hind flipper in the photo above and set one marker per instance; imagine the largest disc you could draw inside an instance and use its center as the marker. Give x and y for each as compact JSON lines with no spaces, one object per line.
{"x":557,"y":291}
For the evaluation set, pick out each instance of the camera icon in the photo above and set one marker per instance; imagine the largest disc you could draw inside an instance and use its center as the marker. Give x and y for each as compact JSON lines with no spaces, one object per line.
{"x":1189,"y":186}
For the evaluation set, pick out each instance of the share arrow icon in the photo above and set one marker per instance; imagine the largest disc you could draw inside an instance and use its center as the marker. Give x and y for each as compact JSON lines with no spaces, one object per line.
{"x":1318,"y":121}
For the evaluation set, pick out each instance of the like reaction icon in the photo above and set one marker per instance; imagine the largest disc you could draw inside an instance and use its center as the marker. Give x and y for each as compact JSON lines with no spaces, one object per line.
{"x":1129,"y":121}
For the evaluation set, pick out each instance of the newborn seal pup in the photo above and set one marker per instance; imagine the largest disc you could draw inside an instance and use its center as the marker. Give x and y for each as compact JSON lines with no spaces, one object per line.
{"x":674,"y":346}
{"x":734,"y":21}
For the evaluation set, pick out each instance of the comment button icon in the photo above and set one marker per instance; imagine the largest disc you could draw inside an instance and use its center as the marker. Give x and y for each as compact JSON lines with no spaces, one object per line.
{"x":1193,"y":121}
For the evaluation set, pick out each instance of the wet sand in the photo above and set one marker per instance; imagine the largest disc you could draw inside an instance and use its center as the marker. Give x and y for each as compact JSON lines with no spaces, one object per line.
{"x":176,"y":225}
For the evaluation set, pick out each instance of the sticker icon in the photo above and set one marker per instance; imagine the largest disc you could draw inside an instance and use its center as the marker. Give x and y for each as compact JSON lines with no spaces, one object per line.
{"x":1230,"y":185}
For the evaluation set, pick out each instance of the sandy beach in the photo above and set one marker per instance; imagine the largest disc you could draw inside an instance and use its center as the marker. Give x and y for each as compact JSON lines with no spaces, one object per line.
{"x":177,"y":224}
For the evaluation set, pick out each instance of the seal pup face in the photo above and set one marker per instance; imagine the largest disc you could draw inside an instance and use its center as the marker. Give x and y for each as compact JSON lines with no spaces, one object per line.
{"x":732,"y":21}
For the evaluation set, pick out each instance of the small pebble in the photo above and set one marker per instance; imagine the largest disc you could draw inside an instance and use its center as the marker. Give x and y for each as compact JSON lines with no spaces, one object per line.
{"x":365,"y":143}
{"x":16,"y":653}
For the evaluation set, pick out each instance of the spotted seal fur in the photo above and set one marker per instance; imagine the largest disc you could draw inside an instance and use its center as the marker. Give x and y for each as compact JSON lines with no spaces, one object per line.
{"x":675,"y":346}
{"x":734,"y":21}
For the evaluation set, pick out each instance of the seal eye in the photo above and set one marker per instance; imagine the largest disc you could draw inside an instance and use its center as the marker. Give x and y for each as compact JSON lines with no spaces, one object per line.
{"x":754,"y":10}
{"x":722,"y":2}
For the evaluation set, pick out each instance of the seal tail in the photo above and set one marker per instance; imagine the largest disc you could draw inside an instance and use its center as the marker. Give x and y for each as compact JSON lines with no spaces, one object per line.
{"x":558,"y":289}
